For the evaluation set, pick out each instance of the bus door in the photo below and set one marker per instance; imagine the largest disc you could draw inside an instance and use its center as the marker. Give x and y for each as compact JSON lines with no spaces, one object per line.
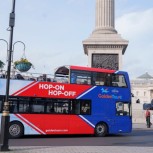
{"x":123,"y":118}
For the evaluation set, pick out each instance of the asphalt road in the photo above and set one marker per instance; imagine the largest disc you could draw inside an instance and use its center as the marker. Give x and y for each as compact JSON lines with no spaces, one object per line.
{"x":143,"y":138}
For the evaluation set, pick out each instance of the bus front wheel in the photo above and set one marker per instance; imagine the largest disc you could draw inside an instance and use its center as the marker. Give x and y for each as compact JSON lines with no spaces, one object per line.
{"x":16,"y":129}
{"x":101,"y":130}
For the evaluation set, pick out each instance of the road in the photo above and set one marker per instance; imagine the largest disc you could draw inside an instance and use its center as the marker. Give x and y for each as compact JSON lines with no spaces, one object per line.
{"x":143,"y":138}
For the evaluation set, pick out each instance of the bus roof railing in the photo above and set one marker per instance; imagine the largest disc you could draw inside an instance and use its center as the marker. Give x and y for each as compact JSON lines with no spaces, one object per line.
{"x":26,"y":75}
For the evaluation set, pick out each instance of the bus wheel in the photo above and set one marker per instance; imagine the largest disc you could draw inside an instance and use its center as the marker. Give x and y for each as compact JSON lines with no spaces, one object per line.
{"x":16,"y":129}
{"x":101,"y":130}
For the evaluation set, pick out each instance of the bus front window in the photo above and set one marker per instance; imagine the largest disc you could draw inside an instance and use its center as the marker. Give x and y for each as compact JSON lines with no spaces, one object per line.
{"x":122,"y":109}
{"x":118,"y":81}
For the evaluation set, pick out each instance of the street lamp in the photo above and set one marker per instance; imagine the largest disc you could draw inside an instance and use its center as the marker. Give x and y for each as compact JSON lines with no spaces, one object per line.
{"x":5,"y":42}
{"x":23,"y":46}
{"x":14,"y":47}
{"x":5,"y":115}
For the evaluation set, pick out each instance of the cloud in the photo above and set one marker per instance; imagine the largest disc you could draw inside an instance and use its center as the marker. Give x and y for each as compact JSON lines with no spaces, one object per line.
{"x":137,"y":28}
{"x":135,"y":24}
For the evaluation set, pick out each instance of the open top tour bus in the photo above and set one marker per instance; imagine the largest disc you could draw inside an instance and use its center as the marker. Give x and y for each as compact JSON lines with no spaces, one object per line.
{"x":76,"y":100}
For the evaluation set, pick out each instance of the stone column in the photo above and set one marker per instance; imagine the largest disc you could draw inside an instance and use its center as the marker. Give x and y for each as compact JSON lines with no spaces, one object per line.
{"x":105,"y":16}
{"x":105,"y":46}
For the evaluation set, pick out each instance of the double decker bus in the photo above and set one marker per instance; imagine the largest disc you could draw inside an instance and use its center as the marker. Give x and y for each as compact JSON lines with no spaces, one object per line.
{"x":77,"y":100}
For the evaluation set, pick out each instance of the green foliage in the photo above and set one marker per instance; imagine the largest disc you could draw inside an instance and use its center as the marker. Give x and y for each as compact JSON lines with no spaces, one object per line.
{"x":22,"y":60}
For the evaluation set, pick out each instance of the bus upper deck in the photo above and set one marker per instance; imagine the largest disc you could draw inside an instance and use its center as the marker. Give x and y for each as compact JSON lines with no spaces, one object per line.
{"x":75,"y":75}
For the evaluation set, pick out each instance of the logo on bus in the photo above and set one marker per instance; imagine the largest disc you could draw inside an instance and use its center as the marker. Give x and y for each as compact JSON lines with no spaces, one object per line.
{"x":115,"y":91}
{"x":104,"y":90}
{"x":104,"y":94}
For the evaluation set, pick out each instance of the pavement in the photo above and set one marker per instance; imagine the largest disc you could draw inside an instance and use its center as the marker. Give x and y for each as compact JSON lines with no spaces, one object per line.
{"x":82,"y":149}
{"x":85,"y":149}
{"x":140,"y":126}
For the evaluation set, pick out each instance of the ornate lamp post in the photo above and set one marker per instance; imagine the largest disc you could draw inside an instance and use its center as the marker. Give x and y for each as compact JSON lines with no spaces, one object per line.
{"x":5,"y":42}
{"x":5,"y":115}
{"x":13,"y":47}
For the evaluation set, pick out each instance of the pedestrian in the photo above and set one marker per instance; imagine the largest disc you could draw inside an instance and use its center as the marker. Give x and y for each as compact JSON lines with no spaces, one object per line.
{"x":138,"y":101}
{"x":148,"y":118}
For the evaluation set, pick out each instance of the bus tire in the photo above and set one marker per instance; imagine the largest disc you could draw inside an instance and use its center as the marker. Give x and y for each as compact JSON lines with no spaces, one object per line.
{"x":101,"y":130}
{"x":16,"y":129}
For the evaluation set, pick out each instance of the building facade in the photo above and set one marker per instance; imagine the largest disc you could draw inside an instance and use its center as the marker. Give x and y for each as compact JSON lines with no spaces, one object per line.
{"x":142,"y":89}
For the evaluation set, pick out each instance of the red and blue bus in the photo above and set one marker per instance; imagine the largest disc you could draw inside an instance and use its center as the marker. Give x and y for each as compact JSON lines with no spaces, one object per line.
{"x":77,"y":100}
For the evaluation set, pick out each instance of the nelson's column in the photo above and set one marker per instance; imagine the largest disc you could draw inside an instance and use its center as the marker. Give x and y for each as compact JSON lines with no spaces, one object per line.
{"x":105,"y":46}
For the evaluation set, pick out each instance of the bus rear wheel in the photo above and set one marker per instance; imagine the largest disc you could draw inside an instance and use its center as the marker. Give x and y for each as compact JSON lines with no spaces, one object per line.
{"x":16,"y":129}
{"x":101,"y":130}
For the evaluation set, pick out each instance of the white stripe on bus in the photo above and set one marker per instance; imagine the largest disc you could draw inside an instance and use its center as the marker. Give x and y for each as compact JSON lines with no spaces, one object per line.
{"x":116,"y":72}
{"x":26,"y":88}
{"x":87,"y":121}
{"x":32,"y":125}
{"x":86,"y":92}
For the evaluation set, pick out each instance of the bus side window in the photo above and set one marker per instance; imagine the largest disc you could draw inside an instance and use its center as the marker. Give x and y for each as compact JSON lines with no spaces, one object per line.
{"x":85,"y":108}
{"x":50,"y":107}
{"x":13,"y":107}
{"x":37,"y":106}
{"x":75,"y":107}
{"x":73,"y":78}
{"x":101,"y":78}
{"x":80,"y":77}
{"x":24,"y":107}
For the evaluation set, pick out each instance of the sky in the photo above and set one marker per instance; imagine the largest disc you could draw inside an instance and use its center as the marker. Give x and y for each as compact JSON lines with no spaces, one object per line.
{"x":53,"y":31}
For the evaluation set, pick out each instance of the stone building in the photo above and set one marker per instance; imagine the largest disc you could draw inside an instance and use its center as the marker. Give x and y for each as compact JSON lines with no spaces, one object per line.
{"x":142,"y":90}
